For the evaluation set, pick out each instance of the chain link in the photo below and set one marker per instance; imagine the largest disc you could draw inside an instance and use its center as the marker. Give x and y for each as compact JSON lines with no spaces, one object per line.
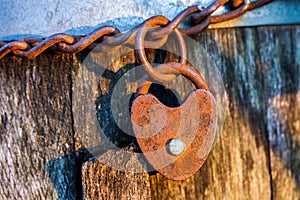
{"x":110,"y":36}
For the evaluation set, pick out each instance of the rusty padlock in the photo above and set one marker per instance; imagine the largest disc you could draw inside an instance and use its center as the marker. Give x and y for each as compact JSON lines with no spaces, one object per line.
{"x":175,"y":141}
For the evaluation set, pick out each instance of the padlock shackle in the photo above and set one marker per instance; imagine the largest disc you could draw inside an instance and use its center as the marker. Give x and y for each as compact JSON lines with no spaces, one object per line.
{"x":177,"y":68}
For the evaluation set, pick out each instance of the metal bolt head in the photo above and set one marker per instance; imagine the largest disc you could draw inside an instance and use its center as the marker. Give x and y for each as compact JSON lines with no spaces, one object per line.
{"x":176,"y":146}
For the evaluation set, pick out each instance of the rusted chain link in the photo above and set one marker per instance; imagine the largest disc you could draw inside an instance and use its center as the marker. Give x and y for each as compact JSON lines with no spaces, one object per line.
{"x":111,"y":36}
{"x":139,"y":46}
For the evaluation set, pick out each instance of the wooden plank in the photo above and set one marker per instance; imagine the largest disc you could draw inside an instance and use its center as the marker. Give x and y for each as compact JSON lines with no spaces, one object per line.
{"x":282,"y":88}
{"x":36,"y":134}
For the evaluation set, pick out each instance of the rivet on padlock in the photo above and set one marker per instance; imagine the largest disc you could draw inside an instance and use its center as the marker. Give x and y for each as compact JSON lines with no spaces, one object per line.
{"x":176,"y":146}
{"x":175,"y":141}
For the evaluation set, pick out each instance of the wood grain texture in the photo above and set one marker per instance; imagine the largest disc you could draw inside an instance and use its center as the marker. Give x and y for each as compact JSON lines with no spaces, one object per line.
{"x":101,"y":181}
{"x":47,"y":130}
{"x":36,"y":134}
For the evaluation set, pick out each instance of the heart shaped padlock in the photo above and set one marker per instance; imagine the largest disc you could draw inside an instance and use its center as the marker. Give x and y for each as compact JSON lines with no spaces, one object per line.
{"x":175,"y":141}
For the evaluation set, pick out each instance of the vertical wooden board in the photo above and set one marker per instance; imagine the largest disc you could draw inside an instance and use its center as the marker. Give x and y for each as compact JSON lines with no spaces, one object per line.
{"x":282,"y":78}
{"x":283,"y":129}
{"x":36,"y":134}
{"x":243,"y":146}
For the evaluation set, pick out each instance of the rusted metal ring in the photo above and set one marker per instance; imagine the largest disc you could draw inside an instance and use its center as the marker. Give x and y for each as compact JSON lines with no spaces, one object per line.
{"x":193,"y":75}
{"x":198,"y":17}
{"x":84,"y":42}
{"x":156,"y":75}
{"x":243,"y":8}
{"x":12,"y":46}
{"x":175,"y":22}
{"x":45,"y":44}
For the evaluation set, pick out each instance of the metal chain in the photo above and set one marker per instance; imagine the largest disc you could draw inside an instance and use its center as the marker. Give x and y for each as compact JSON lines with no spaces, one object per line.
{"x":110,"y":36}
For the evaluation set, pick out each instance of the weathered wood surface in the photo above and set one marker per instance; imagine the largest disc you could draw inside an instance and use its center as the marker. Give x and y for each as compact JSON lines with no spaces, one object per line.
{"x":37,"y":138}
{"x":257,"y":152}
{"x":101,"y":181}
{"x":255,"y":157}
